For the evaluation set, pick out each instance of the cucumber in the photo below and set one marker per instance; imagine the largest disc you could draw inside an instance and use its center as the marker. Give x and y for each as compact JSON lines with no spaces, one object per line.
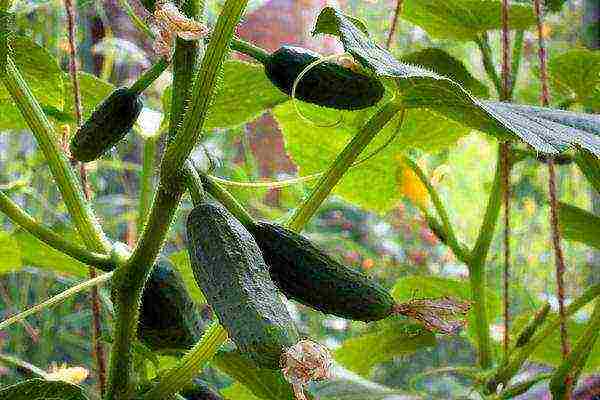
{"x":200,"y":390}
{"x":327,"y":84}
{"x":230,"y":270}
{"x":169,"y":318}
{"x":108,"y":124}
{"x":306,"y":274}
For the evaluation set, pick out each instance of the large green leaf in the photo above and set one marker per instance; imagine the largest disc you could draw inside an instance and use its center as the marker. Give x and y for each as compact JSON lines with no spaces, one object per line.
{"x":39,"y":69}
{"x":43,"y":76}
{"x":92,"y":90}
{"x":443,"y":63}
{"x":392,"y":337}
{"x":40,"y":255}
{"x":576,"y":73}
{"x":39,"y":389}
{"x":313,"y":148}
{"x":11,"y":253}
{"x":263,"y":383}
{"x":579,"y":225}
{"x":244,"y":94}
{"x":464,"y":19}
{"x":590,"y":166}
{"x":181,"y":260}
{"x":548,"y":131}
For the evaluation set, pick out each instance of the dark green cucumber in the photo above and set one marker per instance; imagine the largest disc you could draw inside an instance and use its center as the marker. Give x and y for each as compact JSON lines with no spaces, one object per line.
{"x":200,"y":390}
{"x":327,"y":84}
{"x":108,"y":124}
{"x":230,"y":270}
{"x":306,"y":274}
{"x":169,"y":318}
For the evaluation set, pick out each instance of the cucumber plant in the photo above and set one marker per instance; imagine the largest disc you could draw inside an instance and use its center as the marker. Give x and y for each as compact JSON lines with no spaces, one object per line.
{"x":237,"y":262}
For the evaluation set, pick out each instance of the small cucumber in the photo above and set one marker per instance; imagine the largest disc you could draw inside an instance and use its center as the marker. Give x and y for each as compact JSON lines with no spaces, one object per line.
{"x":308,"y":275}
{"x":230,"y":270}
{"x":327,"y":84}
{"x":169,"y":318}
{"x":108,"y":124}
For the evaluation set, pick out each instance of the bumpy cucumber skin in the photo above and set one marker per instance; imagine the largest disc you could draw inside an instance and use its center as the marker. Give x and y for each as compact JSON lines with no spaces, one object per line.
{"x":230,"y":270}
{"x":327,"y":84}
{"x":306,"y":274}
{"x":108,"y":124}
{"x":169,"y":318}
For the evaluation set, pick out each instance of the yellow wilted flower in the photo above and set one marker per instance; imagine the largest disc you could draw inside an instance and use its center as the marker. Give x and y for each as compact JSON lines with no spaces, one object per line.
{"x":529,"y":206}
{"x":74,"y":375}
{"x":410,"y":185}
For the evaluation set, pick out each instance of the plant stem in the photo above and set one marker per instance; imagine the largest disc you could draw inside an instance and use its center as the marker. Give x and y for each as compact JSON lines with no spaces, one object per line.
{"x":394,"y":25}
{"x":67,"y":182}
{"x":17,"y":362}
{"x":230,"y":202}
{"x":459,"y":250}
{"x":477,"y":263}
{"x":505,"y":150}
{"x":194,"y":184}
{"x":149,"y":76}
{"x":567,"y":373}
{"x":250,"y":50}
{"x":341,"y":164}
{"x":51,"y":238}
{"x":129,"y":279}
{"x":137,"y":21}
{"x":516,"y":61}
{"x":147,"y":180}
{"x":488,"y":62}
{"x":190,"y":366}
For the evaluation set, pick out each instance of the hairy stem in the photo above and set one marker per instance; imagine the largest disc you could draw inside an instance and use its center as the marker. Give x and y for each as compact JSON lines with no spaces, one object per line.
{"x":488,"y":61}
{"x":394,"y":25}
{"x":343,"y":161}
{"x":129,"y":280}
{"x":147,"y":180}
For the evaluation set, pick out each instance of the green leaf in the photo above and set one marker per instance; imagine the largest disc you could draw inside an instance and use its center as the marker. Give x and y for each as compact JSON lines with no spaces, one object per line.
{"x":92,"y":90}
{"x":345,"y":385}
{"x":443,"y":63}
{"x":391,"y":338}
{"x":590,"y":166}
{"x":39,"y":389}
{"x":313,"y":148}
{"x":579,"y":225}
{"x":576,"y":73}
{"x":11,"y":253}
{"x":464,"y":19}
{"x":238,"y":391}
{"x":39,"y":69}
{"x":263,"y":383}
{"x":548,"y":131}
{"x":43,"y":76}
{"x":181,"y":260}
{"x":40,"y":255}
{"x":244,"y":94}
{"x":421,"y":286}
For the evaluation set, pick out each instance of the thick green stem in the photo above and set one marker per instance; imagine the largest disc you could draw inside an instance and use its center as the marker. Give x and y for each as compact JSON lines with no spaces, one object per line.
{"x":190,"y":366}
{"x":567,"y":373}
{"x":250,"y":50}
{"x":505,"y":373}
{"x":51,"y":238}
{"x":230,"y":202}
{"x":477,"y":264}
{"x":147,"y":180}
{"x":488,"y":61}
{"x":66,"y":180}
{"x":194,"y":184}
{"x":149,"y":76}
{"x":129,"y":280}
{"x":341,"y":164}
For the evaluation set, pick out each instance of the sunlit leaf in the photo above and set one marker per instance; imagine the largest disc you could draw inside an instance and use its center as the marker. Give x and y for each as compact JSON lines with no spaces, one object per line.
{"x":548,"y":131}
{"x":39,"y":389}
{"x":181,"y":260}
{"x":92,"y":90}
{"x":313,"y":148}
{"x":11,"y":253}
{"x":579,"y":225}
{"x":391,"y":338}
{"x":243,"y":94}
{"x":590,"y":166}
{"x":464,"y":19}
{"x":576,"y":73}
